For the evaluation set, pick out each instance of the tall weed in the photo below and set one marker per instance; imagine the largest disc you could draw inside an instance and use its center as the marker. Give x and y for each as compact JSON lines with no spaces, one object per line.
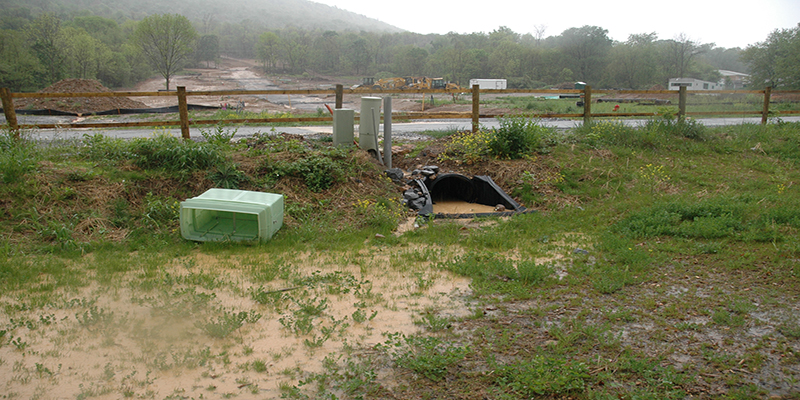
{"x":17,"y":156}
{"x":170,"y":153}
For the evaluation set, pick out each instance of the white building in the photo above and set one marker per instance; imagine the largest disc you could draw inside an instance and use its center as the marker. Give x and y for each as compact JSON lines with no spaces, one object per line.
{"x":693,"y":84}
{"x":733,"y":79}
{"x":489,"y":83}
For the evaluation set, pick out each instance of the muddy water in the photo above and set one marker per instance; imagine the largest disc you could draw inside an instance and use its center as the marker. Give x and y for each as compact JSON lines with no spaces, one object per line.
{"x":151,"y":343}
{"x":460,"y":207}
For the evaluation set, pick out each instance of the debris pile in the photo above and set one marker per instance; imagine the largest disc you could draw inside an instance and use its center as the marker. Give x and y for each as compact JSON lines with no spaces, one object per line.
{"x":78,"y":105}
{"x":415,"y":195}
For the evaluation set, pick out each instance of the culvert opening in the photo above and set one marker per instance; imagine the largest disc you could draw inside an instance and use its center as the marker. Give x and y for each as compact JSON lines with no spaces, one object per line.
{"x":458,"y":196}
{"x":450,"y":187}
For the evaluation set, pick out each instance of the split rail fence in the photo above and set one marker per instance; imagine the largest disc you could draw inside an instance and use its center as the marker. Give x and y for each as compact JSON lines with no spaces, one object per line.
{"x":585,"y":95}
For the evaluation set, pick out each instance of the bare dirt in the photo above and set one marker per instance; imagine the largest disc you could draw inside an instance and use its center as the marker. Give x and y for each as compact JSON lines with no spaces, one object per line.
{"x":239,"y":74}
{"x":78,"y":105}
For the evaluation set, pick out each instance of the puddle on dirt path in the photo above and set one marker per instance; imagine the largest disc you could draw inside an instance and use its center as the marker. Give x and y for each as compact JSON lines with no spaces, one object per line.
{"x":212,"y":326}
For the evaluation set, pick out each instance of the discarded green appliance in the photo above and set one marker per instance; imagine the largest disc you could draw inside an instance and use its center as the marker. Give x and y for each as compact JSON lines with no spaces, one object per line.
{"x":227,"y":214}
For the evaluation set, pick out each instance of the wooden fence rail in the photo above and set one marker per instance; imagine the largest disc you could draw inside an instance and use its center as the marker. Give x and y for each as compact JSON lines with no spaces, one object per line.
{"x":585,"y":95}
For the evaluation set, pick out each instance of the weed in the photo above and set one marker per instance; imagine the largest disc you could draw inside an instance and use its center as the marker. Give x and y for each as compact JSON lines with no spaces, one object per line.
{"x":319,"y":170}
{"x":360,"y":316}
{"x":492,"y":274}
{"x":790,"y":329}
{"x":351,"y":377}
{"x":428,"y":356}
{"x":689,"y":128}
{"x":160,"y":211}
{"x":708,"y":219}
{"x":432,"y":322}
{"x":163,"y":151}
{"x":653,"y":176}
{"x":19,"y":343}
{"x":227,"y":323}
{"x":259,"y":366}
{"x":727,"y":318}
{"x":220,"y":135}
{"x":381,"y":214}
{"x":543,"y":376}
{"x":227,"y":176}
{"x":17,"y":156}
{"x":94,"y":316}
{"x":106,"y":150}
{"x":467,"y":147}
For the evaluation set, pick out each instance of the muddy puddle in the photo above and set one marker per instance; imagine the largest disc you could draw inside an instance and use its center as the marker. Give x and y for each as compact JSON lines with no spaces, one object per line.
{"x":219,"y":326}
{"x":450,"y":206}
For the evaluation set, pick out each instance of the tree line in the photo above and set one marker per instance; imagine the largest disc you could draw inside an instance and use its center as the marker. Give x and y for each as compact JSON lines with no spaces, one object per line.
{"x":36,"y":51}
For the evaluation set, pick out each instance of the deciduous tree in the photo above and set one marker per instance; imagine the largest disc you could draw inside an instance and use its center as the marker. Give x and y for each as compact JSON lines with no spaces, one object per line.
{"x":208,"y":48}
{"x":774,"y":61}
{"x":49,"y":45}
{"x":166,"y":41}
{"x":586,"y":50}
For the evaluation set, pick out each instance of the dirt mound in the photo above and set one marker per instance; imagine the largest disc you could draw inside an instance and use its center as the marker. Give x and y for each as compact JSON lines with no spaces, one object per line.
{"x":78,"y":105}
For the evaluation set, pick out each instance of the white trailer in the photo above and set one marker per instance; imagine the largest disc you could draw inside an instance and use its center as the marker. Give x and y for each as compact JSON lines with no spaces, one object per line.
{"x":488,"y":83}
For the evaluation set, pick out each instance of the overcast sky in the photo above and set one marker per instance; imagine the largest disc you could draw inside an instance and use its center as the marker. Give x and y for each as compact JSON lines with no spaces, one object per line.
{"x":732,"y":23}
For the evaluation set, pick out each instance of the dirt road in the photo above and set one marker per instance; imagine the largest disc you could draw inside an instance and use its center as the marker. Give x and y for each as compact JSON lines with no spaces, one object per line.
{"x":235,"y":74}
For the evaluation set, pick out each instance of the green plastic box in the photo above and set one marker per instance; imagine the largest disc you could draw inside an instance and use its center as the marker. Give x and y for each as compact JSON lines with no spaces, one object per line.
{"x":227,"y":214}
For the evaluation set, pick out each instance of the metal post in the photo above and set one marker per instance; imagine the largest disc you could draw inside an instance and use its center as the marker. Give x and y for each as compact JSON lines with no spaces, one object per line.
{"x":183,"y":111}
{"x":476,"y":108}
{"x":8,"y":110}
{"x":387,"y":131}
{"x":587,"y":105}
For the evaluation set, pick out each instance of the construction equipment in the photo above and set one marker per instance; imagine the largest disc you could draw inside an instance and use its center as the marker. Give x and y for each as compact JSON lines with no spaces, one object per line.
{"x":408,"y":82}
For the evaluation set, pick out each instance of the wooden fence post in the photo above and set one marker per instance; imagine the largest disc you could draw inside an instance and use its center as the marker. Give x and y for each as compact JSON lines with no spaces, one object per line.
{"x":339,"y":96}
{"x":476,"y":108}
{"x":587,"y":105}
{"x":8,"y":110}
{"x":183,"y":111}
{"x":765,"y":110}
{"x":681,"y":104}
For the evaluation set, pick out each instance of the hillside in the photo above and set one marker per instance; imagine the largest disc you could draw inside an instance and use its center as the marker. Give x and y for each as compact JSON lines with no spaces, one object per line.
{"x":271,"y":14}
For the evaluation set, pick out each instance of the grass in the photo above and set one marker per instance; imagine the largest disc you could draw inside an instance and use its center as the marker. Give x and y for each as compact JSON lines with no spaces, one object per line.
{"x":660,"y":255}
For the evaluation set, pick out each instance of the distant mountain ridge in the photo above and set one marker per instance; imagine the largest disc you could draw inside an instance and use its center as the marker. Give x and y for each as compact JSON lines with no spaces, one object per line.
{"x":271,"y":14}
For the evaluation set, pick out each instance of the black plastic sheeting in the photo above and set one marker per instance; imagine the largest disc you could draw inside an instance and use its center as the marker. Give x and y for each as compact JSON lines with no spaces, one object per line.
{"x":479,"y":189}
{"x":118,"y":111}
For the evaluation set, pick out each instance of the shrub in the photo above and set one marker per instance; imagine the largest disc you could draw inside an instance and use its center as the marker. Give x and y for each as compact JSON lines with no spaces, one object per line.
{"x":516,"y":137}
{"x":320,"y":170}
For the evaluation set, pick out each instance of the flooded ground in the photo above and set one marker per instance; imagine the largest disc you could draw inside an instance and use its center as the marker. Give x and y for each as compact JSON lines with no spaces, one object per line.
{"x":213,"y":326}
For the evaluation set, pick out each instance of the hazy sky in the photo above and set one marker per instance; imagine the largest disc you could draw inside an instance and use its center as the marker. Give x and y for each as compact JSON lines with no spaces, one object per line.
{"x":732,"y":23}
